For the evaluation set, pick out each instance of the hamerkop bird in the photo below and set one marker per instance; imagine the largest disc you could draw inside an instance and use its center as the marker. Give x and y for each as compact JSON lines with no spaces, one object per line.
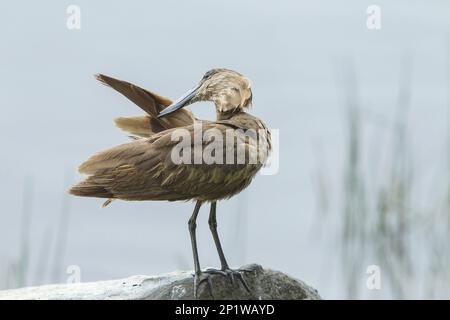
{"x":143,"y":169}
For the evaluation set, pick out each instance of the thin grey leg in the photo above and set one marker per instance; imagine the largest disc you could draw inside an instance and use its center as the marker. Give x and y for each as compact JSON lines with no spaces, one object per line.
{"x":199,"y":277}
{"x":225,"y":269}
{"x":192,"y":226}
{"x":212,"y":221}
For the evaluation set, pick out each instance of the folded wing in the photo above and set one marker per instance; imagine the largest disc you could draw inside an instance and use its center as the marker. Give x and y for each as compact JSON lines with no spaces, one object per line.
{"x":144,"y":170}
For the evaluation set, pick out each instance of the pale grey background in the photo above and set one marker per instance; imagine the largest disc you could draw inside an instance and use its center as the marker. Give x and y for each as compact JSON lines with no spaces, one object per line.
{"x":54,"y":115}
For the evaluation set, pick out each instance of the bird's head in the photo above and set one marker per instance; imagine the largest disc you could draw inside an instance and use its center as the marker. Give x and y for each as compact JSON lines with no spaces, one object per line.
{"x":229,"y":90}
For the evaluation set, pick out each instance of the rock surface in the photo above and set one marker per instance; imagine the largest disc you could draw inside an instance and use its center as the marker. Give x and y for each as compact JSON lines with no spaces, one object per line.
{"x":264,"y":284}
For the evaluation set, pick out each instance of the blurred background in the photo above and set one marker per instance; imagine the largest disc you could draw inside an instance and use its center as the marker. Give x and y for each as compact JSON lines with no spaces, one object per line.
{"x":364,"y":176}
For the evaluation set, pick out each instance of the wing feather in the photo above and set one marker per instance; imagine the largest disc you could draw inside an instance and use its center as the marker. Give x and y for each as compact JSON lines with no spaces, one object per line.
{"x":140,"y":170}
{"x":152,"y":104}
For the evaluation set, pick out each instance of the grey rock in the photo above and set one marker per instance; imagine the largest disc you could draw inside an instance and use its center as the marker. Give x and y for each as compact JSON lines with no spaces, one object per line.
{"x":264,"y":284}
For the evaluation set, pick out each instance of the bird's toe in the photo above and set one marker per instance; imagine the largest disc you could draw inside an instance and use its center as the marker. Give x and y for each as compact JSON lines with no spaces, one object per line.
{"x":232,"y":274}
{"x":199,"y":279}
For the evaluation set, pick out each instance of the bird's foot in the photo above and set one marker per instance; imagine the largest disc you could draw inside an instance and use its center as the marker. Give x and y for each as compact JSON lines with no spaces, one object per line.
{"x":199,"y":278}
{"x":232,"y":274}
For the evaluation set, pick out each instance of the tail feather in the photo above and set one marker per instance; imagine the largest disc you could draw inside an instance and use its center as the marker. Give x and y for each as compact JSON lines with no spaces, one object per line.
{"x":89,"y":189}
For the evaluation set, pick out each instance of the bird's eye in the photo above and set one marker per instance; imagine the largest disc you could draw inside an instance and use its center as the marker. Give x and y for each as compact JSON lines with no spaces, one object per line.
{"x":208,"y":74}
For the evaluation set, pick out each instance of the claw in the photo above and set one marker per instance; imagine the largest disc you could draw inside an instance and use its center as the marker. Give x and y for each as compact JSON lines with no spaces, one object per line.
{"x":200,"y":278}
{"x":241,"y":277}
{"x":230,"y":273}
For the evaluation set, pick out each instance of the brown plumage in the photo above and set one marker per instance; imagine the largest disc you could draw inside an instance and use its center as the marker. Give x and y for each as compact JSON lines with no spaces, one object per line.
{"x":152,"y":104}
{"x":144,"y":169}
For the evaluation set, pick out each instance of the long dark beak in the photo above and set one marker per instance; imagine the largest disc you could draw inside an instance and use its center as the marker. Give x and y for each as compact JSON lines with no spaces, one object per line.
{"x":180,"y":103}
